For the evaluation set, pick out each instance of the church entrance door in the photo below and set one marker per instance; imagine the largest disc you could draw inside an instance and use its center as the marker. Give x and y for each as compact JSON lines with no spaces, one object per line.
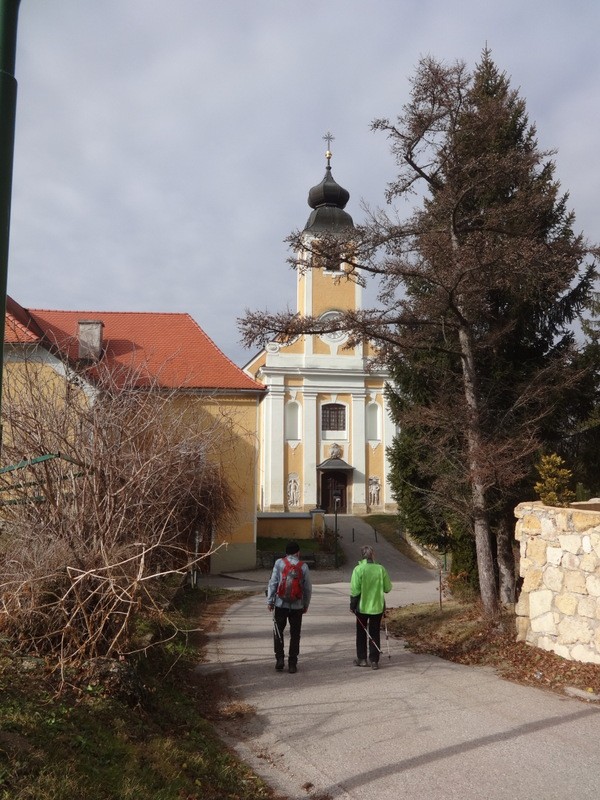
{"x":332,"y":482}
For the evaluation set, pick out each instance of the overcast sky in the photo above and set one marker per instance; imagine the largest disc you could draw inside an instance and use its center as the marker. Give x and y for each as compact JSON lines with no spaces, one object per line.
{"x":164,"y":150}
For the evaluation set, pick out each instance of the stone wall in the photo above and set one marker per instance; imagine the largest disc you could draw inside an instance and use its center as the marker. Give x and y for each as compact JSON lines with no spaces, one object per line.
{"x":559,"y":605}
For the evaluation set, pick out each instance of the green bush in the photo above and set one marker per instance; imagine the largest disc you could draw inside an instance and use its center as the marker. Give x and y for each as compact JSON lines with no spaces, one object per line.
{"x":553,"y":486}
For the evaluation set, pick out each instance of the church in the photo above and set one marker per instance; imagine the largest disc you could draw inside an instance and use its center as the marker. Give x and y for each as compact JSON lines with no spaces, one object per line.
{"x":324,"y":425}
{"x":306,"y":423}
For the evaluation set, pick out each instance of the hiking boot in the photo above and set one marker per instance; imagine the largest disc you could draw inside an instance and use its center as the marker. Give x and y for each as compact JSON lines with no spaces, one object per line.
{"x":374,"y":664}
{"x":292,"y":668}
{"x":279,"y":664}
{"x":360,"y":662}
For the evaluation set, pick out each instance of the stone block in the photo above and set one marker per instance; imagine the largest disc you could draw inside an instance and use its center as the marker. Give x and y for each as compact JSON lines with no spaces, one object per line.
{"x":554,"y":556}
{"x":562,"y":519}
{"x":570,"y":542}
{"x":532,"y":580}
{"x":586,"y":544}
{"x":589,"y":562}
{"x":522,"y":606}
{"x":574,"y":630}
{"x":552,"y":578}
{"x":585,"y":654}
{"x":532,"y":637}
{"x":592,"y":583}
{"x":549,"y":528}
{"x":529,"y":524}
{"x":522,"y":624}
{"x":536,"y":551}
{"x":584,"y":520}
{"x":544,"y":624}
{"x":587,"y":607}
{"x":562,"y":651}
{"x":523,"y":547}
{"x":566,"y":603}
{"x":546,"y":643}
{"x":575,"y":582}
{"x":569,"y":561}
{"x":540,"y":602}
{"x":595,"y":542}
{"x":524,"y":566}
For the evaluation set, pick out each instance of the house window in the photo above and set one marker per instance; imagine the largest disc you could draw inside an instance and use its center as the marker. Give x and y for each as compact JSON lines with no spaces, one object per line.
{"x":333,"y":417}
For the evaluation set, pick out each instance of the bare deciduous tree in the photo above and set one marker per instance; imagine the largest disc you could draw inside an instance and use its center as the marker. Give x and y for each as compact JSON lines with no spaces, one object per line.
{"x":111,"y":488}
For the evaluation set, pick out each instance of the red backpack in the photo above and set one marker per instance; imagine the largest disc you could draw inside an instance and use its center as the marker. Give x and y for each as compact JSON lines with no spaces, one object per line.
{"x":290,"y":583}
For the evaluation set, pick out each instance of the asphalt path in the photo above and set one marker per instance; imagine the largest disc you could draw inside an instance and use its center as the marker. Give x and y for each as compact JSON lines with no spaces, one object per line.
{"x":418,"y":728}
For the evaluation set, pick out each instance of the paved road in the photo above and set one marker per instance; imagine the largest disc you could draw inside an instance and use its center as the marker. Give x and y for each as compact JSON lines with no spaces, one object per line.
{"x":419,"y":728}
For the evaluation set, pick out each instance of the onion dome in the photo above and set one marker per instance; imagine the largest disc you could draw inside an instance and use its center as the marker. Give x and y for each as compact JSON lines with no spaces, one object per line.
{"x":328,"y":199}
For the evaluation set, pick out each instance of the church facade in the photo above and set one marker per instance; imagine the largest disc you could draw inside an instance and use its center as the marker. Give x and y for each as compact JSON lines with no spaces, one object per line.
{"x":324,"y":423}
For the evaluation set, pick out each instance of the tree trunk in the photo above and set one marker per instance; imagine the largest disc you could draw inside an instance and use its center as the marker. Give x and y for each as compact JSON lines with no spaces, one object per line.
{"x":506,"y":562}
{"x":483,"y":544}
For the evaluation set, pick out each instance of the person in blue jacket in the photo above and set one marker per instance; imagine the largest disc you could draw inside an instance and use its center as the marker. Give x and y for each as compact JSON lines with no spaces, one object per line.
{"x":368,"y":585}
{"x":288,"y":609}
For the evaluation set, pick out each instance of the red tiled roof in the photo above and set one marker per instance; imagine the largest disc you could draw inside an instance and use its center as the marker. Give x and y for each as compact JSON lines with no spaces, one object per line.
{"x":169,"y":348}
{"x":19,"y":327}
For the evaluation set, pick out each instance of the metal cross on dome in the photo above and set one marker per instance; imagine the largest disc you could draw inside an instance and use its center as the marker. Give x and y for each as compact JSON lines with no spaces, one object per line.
{"x":329,"y":138}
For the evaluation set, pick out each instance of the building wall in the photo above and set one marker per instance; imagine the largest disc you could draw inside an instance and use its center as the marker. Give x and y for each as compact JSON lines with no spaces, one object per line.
{"x":235,"y":450}
{"x":234,"y":447}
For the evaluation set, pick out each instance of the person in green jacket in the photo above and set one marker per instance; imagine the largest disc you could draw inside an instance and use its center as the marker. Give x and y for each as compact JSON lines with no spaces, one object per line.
{"x":369,"y":583}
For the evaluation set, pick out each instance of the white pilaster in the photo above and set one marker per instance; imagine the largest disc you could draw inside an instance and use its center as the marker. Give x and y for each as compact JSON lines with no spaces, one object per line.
{"x":309,"y":426}
{"x":358,"y":450}
{"x":389,"y":431}
{"x":275,"y":445}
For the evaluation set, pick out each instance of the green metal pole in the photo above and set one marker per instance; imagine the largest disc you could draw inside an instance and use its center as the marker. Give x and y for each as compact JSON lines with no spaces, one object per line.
{"x":9,"y":14}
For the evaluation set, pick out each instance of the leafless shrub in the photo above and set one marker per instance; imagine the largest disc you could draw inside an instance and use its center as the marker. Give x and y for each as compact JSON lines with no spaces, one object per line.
{"x":113,"y":486}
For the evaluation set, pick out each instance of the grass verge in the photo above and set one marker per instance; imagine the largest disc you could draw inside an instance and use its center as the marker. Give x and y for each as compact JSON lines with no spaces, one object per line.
{"x":387,"y":526}
{"x":88,"y":740}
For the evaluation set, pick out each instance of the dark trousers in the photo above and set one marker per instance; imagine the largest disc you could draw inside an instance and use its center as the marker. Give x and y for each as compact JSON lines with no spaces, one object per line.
{"x":372,"y":623}
{"x":281,"y":617}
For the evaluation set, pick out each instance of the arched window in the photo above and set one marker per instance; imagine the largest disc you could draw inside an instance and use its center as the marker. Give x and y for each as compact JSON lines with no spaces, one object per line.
{"x":373,"y":422}
{"x":292,"y":421}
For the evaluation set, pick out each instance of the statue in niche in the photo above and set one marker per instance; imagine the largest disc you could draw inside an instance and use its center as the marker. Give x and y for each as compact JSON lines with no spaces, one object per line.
{"x":374,"y":490}
{"x":335,"y":451}
{"x":293,"y":490}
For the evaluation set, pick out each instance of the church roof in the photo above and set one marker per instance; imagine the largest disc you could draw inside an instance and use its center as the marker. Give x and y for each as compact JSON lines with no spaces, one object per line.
{"x":328,"y":200}
{"x":335,"y":464}
{"x":168,"y":348}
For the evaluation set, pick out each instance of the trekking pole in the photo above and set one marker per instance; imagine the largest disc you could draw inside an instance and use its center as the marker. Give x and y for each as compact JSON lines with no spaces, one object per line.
{"x":276,"y":629}
{"x":364,"y":627}
{"x":387,"y":638}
